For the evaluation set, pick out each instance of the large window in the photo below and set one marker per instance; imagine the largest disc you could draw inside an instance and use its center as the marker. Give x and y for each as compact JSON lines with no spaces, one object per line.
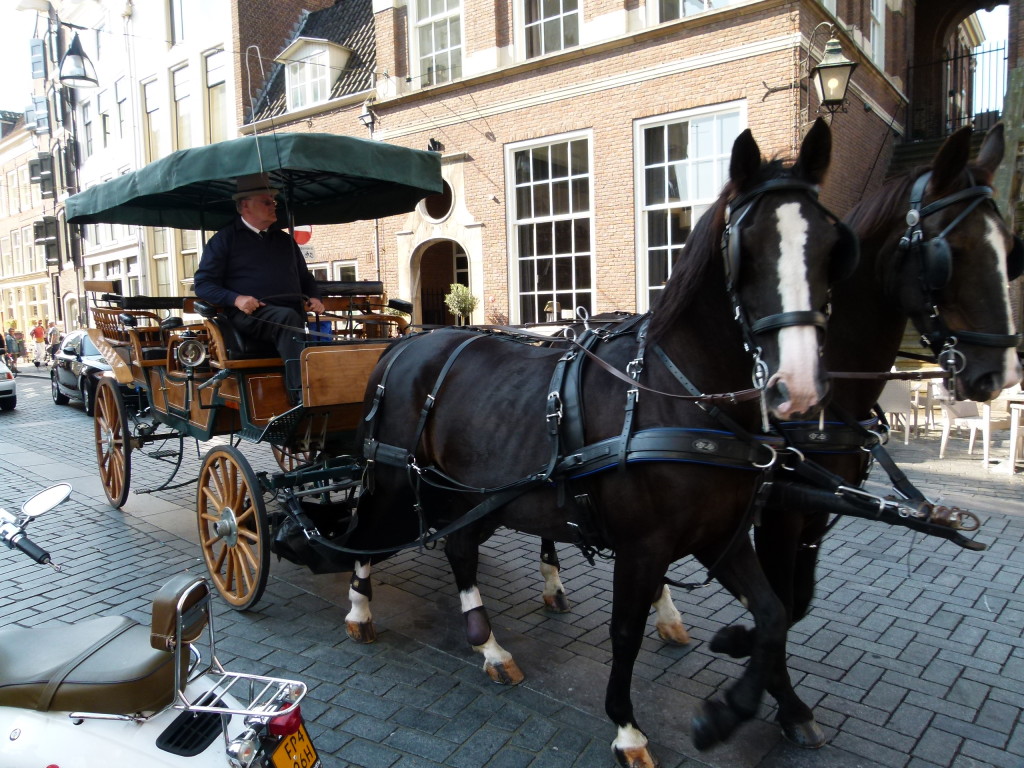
{"x":151,"y":120}
{"x":677,"y":9}
{"x":878,"y":32}
{"x":87,"y":129}
{"x":552,"y":229}
{"x":216,"y":97}
{"x":182,"y":108}
{"x":307,"y":78}
{"x":551,"y":25}
{"x":176,"y":17}
{"x":439,"y":37}
{"x":121,"y":96}
{"x":685,"y":166}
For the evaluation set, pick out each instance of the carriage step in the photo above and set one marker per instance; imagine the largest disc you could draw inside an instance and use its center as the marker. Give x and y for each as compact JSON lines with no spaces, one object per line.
{"x":162,"y":454}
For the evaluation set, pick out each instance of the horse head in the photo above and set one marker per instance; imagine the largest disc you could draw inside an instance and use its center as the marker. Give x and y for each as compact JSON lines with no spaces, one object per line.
{"x":957,"y":260}
{"x":782,"y":249}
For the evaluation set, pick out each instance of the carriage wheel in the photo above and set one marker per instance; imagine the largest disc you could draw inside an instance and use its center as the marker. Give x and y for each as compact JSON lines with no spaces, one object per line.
{"x":233,"y":528}
{"x":290,"y":459}
{"x":113,"y":444}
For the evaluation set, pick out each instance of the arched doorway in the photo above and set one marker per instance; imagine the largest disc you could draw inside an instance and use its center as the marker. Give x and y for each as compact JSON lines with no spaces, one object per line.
{"x":442,"y":263}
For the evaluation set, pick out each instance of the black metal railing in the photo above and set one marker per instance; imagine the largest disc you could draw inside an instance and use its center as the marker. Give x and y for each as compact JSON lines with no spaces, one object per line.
{"x":967,"y":89}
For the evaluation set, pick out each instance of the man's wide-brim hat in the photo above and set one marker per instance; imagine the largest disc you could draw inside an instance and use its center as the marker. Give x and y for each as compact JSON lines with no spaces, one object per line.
{"x":252,"y":185}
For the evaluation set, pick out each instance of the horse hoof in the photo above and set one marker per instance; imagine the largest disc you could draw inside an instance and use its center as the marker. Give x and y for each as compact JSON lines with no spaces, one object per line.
{"x":735,"y":641}
{"x":635,"y":757}
{"x":674,"y":634}
{"x":557,"y":603}
{"x":361,"y":632}
{"x":505,"y":672}
{"x":712,"y":725}
{"x":806,"y":735}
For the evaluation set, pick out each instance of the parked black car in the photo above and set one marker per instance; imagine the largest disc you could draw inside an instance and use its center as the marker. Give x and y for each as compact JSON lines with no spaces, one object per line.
{"x":77,"y":369}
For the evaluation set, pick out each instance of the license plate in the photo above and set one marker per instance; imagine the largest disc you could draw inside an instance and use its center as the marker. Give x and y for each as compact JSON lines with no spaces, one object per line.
{"x":296,"y":751}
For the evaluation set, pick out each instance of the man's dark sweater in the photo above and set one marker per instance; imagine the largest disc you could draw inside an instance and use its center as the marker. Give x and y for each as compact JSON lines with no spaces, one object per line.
{"x":239,"y":262}
{"x":269,"y":266}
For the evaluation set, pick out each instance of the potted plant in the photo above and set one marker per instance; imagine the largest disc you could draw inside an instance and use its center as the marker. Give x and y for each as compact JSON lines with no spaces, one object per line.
{"x":460,"y":302}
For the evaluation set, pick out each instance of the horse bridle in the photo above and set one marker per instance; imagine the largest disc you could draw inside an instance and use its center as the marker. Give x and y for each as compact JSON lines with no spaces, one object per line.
{"x":735,"y":212}
{"x":937,"y":269}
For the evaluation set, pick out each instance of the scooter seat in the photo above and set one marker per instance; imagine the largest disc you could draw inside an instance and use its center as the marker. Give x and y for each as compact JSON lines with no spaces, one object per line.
{"x":104,"y":665}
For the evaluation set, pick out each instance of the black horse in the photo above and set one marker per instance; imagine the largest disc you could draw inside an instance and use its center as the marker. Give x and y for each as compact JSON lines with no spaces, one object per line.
{"x":951,"y":280}
{"x":949,"y":274}
{"x":585,"y":445}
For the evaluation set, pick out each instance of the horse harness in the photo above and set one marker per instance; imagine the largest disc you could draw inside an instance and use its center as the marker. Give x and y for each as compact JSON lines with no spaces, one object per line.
{"x":937,"y":268}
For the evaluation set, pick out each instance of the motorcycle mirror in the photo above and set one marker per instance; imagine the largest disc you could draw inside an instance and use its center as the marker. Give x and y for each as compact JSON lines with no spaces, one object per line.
{"x":45,"y":500}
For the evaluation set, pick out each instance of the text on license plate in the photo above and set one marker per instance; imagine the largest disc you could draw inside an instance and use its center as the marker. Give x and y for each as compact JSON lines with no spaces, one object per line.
{"x":296,"y":751}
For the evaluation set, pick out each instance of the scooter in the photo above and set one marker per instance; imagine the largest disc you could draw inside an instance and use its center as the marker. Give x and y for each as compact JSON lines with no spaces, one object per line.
{"x":110,"y":691}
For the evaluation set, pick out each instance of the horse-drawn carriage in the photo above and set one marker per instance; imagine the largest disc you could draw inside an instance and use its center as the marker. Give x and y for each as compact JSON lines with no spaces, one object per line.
{"x":202,"y":378}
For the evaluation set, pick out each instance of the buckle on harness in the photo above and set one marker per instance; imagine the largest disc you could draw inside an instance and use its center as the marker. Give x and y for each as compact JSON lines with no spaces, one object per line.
{"x":554,"y":407}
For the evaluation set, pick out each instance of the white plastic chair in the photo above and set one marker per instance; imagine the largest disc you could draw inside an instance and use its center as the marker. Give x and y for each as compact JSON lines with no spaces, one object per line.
{"x":985,"y":417}
{"x":897,"y":403}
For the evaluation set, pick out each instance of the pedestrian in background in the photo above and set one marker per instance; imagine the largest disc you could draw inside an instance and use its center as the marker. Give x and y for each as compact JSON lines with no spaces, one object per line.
{"x":39,"y":341}
{"x":52,"y":340}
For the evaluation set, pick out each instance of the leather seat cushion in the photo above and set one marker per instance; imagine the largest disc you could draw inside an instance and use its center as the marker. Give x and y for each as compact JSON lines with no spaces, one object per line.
{"x":122,"y":676}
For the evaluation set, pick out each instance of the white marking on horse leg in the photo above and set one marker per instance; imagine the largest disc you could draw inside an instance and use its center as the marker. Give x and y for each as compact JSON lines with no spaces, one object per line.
{"x":668,"y":620}
{"x":798,"y":345}
{"x":1011,"y":372}
{"x":552,"y":581}
{"x":470,"y":599}
{"x":630,"y":747}
{"x":360,"y":611}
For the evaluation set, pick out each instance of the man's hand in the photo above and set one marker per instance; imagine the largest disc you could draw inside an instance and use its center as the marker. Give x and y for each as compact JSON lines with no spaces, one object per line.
{"x":248,"y":304}
{"x":315,"y":305}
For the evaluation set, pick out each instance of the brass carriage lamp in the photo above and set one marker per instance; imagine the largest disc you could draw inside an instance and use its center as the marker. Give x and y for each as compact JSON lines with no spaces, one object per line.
{"x":831,"y":77}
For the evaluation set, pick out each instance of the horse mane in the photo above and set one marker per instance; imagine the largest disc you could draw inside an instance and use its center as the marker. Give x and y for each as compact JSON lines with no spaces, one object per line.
{"x":702,"y":247}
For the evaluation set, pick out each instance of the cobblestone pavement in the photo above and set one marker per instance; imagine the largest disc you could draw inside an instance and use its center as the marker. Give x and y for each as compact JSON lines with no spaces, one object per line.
{"x":911,"y":656}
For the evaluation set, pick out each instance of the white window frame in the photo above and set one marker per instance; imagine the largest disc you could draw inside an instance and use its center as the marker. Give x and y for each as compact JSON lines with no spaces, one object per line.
{"x":307,"y":78}
{"x":513,"y":224}
{"x":526,"y":27}
{"x":338,"y":266}
{"x":449,"y":18}
{"x":876,"y":15}
{"x":697,"y":200}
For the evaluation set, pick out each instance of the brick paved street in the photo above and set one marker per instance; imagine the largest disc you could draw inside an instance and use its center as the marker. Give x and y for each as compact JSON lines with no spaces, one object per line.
{"x":911,"y":656}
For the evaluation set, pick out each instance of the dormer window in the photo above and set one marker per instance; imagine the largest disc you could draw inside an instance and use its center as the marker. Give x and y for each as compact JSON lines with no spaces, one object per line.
{"x":312,"y":67}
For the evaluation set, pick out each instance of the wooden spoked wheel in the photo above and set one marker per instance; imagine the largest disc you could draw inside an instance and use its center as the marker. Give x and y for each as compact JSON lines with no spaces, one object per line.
{"x":290,"y":459}
{"x":113,"y":443}
{"x":233,"y":531}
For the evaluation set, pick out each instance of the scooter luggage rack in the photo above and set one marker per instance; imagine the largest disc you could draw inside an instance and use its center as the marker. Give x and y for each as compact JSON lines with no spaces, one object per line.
{"x":266,"y":702}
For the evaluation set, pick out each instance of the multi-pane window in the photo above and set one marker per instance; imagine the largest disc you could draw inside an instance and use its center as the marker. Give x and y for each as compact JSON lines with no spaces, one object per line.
{"x":6,"y":262}
{"x":176,"y":18}
{"x":685,"y":165}
{"x":151,"y":120}
{"x":216,"y":97}
{"x":87,"y":129}
{"x":182,"y":108}
{"x":307,"y":79}
{"x":439,"y":36}
{"x":103,"y":119}
{"x":13,"y":200}
{"x":552,"y":229}
{"x":19,"y":260}
{"x":677,"y":9}
{"x":121,"y":97}
{"x":878,"y":32}
{"x":162,"y":276}
{"x":551,"y":25}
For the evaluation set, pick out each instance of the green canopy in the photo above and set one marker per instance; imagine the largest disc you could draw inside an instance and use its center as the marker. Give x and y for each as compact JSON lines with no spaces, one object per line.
{"x":324,"y":179}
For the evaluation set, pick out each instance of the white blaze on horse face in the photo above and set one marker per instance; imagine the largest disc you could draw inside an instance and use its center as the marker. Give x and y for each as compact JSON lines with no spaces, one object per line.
{"x":798,"y":345}
{"x":997,"y":243}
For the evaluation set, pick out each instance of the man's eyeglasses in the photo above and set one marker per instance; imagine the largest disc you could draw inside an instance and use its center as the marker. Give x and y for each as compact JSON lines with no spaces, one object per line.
{"x":269,"y":201}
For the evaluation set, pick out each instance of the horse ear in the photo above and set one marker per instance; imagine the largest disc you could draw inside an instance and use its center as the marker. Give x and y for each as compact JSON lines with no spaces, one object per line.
{"x":815,"y":153}
{"x":745,"y":161}
{"x":992,"y":148}
{"x":950,"y":160}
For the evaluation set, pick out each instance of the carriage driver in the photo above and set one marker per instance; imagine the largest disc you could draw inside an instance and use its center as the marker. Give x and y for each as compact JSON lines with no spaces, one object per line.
{"x":255,"y":268}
